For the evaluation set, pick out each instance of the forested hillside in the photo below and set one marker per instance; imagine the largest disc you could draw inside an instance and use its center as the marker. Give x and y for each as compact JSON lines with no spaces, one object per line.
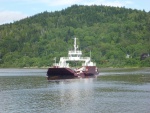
{"x":116,"y":37}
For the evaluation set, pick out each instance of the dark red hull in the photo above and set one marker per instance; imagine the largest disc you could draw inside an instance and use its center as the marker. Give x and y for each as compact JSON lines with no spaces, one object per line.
{"x":68,"y":73}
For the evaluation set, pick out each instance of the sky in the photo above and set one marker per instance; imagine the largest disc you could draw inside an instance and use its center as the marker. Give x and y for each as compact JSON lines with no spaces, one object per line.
{"x":14,"y":10}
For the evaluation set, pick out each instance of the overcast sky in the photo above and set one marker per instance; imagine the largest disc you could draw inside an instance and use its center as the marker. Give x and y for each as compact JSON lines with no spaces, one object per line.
{"x":12,"y":10}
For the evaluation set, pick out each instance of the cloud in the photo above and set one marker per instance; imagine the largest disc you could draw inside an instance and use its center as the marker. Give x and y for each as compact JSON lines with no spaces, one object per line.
{"x":10,"y":16}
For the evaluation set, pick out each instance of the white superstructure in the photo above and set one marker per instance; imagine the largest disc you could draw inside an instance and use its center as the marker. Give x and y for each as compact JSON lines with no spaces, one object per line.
{"x":74,"y":55}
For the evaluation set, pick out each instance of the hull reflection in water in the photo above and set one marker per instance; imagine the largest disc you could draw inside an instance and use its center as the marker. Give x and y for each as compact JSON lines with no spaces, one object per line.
{"x":74,"y":94}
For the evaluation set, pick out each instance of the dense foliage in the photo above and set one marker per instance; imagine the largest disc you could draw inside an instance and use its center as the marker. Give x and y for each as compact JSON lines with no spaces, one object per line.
{"x":110,"y":33}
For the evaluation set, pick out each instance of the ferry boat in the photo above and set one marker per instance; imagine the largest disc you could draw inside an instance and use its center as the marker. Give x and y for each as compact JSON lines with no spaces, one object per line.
{"x":62,"y":70}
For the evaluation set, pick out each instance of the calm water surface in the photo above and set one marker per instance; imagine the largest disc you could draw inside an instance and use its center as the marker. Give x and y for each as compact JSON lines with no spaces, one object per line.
{"x":113,"y":91}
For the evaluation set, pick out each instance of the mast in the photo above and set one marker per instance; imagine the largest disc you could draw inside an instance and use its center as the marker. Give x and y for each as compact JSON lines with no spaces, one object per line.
{"x":75,"y":44}
{"x":90,"y":53}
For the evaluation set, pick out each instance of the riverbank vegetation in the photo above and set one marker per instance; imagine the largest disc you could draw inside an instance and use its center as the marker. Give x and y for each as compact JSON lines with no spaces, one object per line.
{"x":116,"y":37}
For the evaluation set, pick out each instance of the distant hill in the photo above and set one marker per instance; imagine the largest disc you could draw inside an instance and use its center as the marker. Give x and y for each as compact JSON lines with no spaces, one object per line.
{"x":116,"y":36}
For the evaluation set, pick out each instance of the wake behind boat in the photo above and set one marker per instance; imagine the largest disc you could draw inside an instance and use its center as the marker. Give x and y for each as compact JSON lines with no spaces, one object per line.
{"x":62,"y":70}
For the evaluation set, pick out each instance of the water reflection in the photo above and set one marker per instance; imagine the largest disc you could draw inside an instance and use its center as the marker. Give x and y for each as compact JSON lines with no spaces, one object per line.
{"x":130,"y":79}
{"x":113,"y":93}
{"x":22,"y":72}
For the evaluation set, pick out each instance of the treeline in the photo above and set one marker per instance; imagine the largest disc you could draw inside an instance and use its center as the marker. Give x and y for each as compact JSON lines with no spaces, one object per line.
{"x":117,"y":37}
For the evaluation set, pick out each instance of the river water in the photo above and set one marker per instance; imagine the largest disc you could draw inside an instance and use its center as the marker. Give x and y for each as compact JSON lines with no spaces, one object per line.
{"x":113,"y":91}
